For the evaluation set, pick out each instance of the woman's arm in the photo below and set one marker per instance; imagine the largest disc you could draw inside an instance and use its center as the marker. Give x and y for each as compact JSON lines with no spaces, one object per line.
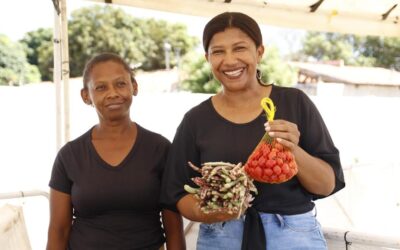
{"x":189,"y":207}
{"x":60,"y":220}
{"x":173,"y":226}
{"x":315,"y":175}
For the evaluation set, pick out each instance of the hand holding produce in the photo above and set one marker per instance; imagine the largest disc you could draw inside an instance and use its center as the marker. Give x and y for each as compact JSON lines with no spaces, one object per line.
{"x":223,"y":187}
{"x":270,"y":161}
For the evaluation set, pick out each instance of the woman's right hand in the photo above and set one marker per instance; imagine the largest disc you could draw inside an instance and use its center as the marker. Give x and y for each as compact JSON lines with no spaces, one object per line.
{"x":189,"y":207}
{"x":214,"y":217}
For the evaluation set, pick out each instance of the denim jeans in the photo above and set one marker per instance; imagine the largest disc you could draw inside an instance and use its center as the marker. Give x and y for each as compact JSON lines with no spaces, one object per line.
{"x":283,"y":232}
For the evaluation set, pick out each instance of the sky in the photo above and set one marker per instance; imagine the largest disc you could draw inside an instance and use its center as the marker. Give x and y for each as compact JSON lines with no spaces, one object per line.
{"x":17,"y":17}
{"x":20,"y":16}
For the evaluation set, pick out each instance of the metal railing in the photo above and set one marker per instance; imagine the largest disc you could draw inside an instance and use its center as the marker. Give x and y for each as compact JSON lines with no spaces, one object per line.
{"x":23,"y":194}
{"x":343,"y":239}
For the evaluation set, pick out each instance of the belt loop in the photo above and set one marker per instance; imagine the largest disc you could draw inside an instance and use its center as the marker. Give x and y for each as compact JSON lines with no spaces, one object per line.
{"x":280,"y":218}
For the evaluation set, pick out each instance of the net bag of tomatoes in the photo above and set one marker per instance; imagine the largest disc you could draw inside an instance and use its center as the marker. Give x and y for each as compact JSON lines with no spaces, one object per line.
{"x":270,"y":161}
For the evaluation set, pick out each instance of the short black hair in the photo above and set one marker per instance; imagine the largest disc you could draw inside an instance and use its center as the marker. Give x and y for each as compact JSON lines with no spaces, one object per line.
{"x":232,"y":20}
{"x":105,"y":57}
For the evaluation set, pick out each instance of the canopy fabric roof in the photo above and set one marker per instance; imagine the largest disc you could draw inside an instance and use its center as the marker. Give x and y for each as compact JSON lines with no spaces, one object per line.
{"x":362,"y":17}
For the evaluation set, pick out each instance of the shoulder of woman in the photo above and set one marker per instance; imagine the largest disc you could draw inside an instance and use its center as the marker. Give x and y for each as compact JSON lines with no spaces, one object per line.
{"x":153,"y":136}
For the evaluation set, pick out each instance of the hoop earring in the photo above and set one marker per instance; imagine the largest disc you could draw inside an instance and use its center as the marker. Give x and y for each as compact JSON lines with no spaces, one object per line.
{"x":259,"y":78}
{"x":258,"y":74}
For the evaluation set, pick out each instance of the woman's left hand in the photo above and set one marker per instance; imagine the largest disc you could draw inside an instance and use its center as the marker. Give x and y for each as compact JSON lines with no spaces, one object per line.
{"x":285,"y":132}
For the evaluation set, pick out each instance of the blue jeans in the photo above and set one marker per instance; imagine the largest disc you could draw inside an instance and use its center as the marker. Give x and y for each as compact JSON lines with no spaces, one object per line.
{"x":283,"y":232}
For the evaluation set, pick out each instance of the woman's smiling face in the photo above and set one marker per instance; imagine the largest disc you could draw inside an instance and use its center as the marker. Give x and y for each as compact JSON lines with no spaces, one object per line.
{"x":110,"y":89}
{"x":233,"y":56}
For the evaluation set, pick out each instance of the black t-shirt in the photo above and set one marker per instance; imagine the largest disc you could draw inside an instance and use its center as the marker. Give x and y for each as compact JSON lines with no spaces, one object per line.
{"x":205,"y":136}
{"x":114,"y":207}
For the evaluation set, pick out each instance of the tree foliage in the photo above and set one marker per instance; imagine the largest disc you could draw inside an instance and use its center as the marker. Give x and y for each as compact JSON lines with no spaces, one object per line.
{"x":197,"y":76}
{"x":140,"y":41}
{"x":39,"y":50}
{"x":160,"y":32}
{"x":99,"y":29}
{"x":14,"y":67}
{"x":352,"y":49}
{"x":275,"y":70}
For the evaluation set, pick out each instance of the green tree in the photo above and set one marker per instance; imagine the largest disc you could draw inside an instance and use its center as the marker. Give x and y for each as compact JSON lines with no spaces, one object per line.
{"x":14,"y":68}
{"x":197,"y":76}
{"x":33,"y":40}
{"x":98,"y":29}
{"x":39,"y":49}
{"x":160,"y":32}
{"x":275,"y":70}
{"x":352,"y":49}
{"x":385,"y":51}
{"x":140,"y":41}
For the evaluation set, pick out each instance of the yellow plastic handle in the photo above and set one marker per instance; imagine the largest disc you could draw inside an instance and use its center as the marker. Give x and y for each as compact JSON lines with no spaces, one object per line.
{"x":268,"y":105}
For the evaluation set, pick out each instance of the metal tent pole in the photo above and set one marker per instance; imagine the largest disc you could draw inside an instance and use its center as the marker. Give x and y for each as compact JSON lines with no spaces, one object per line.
{"x":57,"y":72}
{"x":61,"y":72}
{"x":65,"y":69}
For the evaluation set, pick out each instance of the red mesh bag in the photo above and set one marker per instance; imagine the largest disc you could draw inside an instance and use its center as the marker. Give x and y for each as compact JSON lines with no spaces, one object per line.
{"x":270,"y":161}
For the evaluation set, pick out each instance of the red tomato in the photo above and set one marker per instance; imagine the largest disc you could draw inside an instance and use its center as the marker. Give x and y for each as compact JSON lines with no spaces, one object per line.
{"x":261,"y":161}
{"x":282,"y":178}
{"x":270,"y":163}
{"x":263,"y":146}
{"x":272,"y":155}
{"x":257,"y":172}
{"x":268,"y":172}
{"x":256,"y":154}
{"x":278,"y":146}
{"x":285,"y":168}
{"x":277,"y":170}
{"x":282,"y":155}
{"x":248,"y":170}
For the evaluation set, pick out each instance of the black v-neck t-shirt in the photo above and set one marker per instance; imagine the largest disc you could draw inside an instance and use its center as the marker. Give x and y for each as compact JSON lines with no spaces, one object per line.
{"x":113,"y":207}
{"x":205,"y":136}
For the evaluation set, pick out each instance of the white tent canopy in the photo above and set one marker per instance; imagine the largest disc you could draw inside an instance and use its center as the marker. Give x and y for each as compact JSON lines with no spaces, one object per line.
{"x":362,"y":17}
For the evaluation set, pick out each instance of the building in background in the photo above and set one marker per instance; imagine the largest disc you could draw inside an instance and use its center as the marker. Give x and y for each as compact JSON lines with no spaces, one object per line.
{"x":334,"y":78}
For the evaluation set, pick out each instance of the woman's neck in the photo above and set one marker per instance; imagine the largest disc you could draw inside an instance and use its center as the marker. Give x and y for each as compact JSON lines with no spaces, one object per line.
{"x":244,"y":98}
{"x":240,"y":107}
{"x":114,"y":129}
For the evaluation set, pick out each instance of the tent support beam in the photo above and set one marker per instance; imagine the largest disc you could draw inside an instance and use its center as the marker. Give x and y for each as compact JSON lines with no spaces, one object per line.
{"x":387,"y":13}
{"x":61,"y":72}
